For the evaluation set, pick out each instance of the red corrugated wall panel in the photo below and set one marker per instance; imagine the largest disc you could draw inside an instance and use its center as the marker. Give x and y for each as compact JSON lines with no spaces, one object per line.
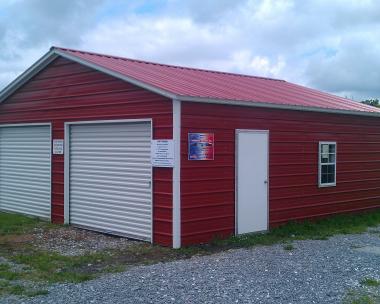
{"x":67,"y":91}
{"x":208,"y":187}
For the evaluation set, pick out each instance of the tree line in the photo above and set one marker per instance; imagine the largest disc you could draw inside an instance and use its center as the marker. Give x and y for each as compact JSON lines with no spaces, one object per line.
{"x":372,"y":102}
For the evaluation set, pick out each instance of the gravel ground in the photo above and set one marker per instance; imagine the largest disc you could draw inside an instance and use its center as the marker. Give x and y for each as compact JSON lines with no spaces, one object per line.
{"x":314,"y":272}
{"x":72,"y":241}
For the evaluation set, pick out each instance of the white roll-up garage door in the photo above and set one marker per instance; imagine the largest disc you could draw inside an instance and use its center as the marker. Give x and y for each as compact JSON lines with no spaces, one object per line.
{"x":110,"y":178}
{"x":25,"y":170}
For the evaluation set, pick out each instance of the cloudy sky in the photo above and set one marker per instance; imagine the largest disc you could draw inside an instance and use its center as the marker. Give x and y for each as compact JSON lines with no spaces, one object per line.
{"x":331,"y":45}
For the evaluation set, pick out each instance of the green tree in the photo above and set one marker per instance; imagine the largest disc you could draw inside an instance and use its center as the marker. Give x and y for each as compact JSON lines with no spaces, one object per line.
{"x":372,"y":102}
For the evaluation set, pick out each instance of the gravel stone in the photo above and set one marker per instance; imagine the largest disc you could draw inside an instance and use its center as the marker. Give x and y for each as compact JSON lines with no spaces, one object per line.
{"x":316,"y":271}
{"x":71,"y":241}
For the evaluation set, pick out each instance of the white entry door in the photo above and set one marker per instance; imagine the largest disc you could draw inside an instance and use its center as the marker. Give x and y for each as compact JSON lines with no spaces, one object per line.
{"x":252,"y":181}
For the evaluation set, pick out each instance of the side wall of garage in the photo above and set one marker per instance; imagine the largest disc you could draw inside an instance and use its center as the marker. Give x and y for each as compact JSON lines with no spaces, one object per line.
{"x":66,"y":91}
{"x":208,"y":187}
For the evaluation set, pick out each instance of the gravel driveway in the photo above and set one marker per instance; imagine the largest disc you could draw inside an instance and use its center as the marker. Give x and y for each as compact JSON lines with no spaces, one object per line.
{"x":314,"y":272}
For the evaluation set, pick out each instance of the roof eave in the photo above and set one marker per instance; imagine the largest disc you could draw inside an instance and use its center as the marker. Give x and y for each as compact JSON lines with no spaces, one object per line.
{"x":256,"y":104}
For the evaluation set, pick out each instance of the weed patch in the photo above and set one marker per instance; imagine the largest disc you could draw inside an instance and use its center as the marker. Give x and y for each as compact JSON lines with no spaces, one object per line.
{"x":7,"y":288}
{"x":7,"y":274}
{"x":370,"y":282}
{"x":288,"y":247}
{"x":11,"y":223}
{"x":52,"y":267}
{"x":360,"y":297}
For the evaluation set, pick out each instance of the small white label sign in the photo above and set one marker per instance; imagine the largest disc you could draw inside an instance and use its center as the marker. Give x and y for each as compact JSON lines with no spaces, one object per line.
{"x":162,"y":154}
{"x":57,"y":146}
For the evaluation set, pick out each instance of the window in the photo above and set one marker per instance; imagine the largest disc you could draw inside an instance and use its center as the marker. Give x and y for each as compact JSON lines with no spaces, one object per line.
{"x":327,"y":164}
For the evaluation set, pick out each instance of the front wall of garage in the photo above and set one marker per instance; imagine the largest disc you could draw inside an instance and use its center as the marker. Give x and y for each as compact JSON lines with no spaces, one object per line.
{"x":208,"y":187}
{"x":66,"y":91}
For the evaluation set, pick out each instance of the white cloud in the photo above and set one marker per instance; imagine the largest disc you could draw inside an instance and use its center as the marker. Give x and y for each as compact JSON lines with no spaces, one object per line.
{"x":170,"y":40}
{"x":333,"y":46}
{"x":352,"y":70}
{"x":269,"y":9}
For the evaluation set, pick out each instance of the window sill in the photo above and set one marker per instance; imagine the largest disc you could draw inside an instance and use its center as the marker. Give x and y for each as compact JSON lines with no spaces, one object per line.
{"x":327,"y":185}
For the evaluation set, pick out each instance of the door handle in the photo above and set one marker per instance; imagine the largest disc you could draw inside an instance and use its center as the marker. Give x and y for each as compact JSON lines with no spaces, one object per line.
{"x":266,"y":181}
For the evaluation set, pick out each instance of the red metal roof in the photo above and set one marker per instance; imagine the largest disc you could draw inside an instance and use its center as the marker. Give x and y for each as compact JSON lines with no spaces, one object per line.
{"x":198,"y":83}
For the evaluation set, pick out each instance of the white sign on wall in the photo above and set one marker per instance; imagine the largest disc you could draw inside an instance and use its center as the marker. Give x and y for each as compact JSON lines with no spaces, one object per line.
{"x":57,"y":146}
{"x":162,"y":154}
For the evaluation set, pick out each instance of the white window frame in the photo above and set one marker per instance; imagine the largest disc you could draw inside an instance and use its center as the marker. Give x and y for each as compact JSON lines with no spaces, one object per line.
{"x":320,"y":184}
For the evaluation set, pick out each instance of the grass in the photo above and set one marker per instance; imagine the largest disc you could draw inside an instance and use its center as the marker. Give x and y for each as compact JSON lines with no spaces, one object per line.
{"x":363,"y":299}
{"x":370,"y":282}
{"x":7,"y":288}
{"x":368,"y":293}
{"x":360,"y":297}
{"x":53,"y":267}
{"x":42,"y":266}
{"x":15,"y":224}
{"x":7,"y":275}
{"x":45,"y":267}
{"x":317,"y":230}
{"x":288,"y":247}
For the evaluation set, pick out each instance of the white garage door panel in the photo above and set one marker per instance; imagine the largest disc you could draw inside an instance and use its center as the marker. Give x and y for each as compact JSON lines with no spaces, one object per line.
{"x":25,"y":170}
{"x":110,"y":178}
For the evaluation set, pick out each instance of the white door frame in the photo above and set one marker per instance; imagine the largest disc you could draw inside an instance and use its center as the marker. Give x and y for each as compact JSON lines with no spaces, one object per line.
{"x":37,"y":124}
{"x":237,"y":132}
{"x":66,"y":160}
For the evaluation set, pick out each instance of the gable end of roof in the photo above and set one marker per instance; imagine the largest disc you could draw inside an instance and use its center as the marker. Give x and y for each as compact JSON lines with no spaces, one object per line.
{"x":24,"y":77}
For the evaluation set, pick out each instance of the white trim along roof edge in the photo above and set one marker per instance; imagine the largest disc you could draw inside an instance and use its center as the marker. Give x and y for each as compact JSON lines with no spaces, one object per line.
{"x":39,"y":65}
{"x":55,"y":53}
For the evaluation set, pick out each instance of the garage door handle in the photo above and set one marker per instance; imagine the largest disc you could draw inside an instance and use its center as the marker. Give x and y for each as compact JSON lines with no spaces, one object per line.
{"x":266,"y":182}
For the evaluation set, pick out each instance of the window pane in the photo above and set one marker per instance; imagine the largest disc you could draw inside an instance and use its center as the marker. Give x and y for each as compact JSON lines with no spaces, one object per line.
{"x":324,"y":179}
{"x":331,"y":158}
{"x":324,"y":153}
{"x":324,"y":169}
{"x":327,"y":163}
{"x":330,"y":169}
{"x":324,"y":158}
{"x":327,"y":174}
{"x":330,"y":178}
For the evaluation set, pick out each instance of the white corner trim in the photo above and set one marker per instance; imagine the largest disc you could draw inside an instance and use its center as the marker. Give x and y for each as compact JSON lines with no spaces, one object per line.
{"x":177,"y":174}
{"x":66,"y":174}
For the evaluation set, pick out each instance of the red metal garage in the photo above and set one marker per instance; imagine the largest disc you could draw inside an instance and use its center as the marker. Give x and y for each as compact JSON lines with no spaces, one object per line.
{"x":249,"y":152}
